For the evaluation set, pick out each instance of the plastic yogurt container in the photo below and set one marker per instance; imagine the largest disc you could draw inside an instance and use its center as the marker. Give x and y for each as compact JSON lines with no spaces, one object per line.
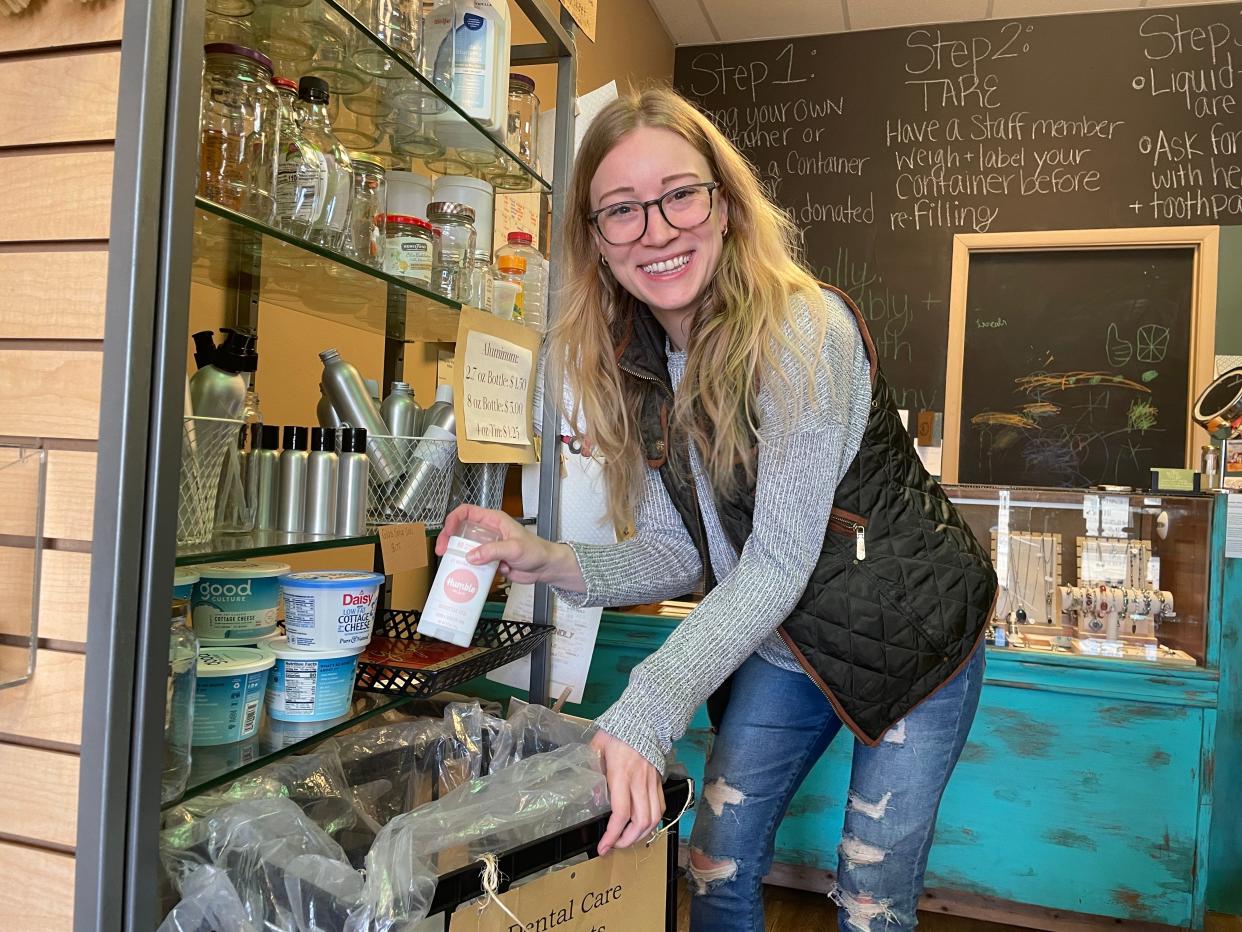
{"x":236,"y":601}
{"x":330,"y":609}
{"x":184,"y":579}
{"x":311,"y":686}
{"x":228,"y":695}
{"x":236,"y":642}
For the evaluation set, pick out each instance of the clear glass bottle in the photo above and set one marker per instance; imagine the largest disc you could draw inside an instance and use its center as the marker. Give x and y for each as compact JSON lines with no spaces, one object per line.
{"x":366,"y":220}
{"x":512,"y":270}
{"x":453,"y":249}
{"x":481,"y":276}
{"x":535,"y":282}
{"x":301,"y":169}
{"x":237,"y":130}
{"x":179,"y":703}
{"x":399,"y":23}
{"x":332,"y":227}
{"x":522,"y":126}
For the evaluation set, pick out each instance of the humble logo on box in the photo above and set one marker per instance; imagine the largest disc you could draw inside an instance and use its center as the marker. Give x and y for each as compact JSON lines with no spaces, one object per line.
{"x":461,"y":586}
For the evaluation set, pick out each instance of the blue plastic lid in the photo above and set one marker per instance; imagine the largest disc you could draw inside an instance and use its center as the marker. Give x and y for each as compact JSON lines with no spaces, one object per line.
{"x":331,"y":579}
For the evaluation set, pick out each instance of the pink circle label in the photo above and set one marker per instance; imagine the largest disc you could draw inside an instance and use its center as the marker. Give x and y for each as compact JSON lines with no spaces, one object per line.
{"x":461,"y":585}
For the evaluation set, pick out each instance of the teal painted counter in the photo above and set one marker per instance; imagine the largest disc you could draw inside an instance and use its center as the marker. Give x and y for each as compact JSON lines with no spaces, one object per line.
{"x":1086,"y":784}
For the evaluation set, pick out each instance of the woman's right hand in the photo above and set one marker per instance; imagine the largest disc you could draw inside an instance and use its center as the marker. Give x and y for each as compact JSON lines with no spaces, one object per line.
{"x":524,"y":557}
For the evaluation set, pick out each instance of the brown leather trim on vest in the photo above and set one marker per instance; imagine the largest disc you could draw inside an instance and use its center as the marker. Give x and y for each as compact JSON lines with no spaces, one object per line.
{"x":661,"y":445}
{"x":872,"y":355}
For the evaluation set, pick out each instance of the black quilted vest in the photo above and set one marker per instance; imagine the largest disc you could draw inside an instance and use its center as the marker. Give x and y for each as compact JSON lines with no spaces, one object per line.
{"x":902,"y":591}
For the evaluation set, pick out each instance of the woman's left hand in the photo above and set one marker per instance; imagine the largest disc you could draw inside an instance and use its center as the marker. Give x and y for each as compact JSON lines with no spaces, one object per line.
{"x":635,"y":790}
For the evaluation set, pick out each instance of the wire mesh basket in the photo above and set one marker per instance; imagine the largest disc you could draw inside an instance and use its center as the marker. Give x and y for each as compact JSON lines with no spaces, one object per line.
{"x":478,"y":484}
{"x":422,"y":476}
{"x":205,"y":445}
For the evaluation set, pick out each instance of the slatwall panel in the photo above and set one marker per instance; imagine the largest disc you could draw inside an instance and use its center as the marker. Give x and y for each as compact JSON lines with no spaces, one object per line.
{"x":59,"y":68}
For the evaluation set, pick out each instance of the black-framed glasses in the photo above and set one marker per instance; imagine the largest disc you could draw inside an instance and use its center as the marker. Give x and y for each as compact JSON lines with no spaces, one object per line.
{"x":682,"y":208}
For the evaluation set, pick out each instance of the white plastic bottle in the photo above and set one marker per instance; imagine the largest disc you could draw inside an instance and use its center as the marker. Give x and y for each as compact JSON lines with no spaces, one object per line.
{"x":456,"y":599}
{"x":534,"y":280}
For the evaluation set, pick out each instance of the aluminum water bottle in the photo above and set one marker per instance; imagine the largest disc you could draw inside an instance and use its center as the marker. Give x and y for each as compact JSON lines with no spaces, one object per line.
{"x":321,"y":482}
{"x":351,"y":483}
{"x":291,"y":514}
{"x":325,"y":414}
{"x":353,"y":404}
{"x":434,"y":454}
{"x":264,"y":466}
{"x":401,"y":412}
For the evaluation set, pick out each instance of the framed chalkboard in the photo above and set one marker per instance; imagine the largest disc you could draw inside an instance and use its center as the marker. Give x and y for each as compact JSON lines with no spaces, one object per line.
{"x":1074,"y":355}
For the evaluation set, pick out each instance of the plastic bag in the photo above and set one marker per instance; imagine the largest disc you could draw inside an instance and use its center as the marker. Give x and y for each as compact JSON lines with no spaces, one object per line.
{"x":536,"y":729}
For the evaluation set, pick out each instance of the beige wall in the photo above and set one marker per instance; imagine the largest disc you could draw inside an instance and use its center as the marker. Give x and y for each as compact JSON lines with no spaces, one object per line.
{"x":630,"y":47}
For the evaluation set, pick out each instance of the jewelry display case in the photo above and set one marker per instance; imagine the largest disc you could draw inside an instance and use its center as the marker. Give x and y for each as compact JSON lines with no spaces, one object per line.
{"x":1097,"y":573}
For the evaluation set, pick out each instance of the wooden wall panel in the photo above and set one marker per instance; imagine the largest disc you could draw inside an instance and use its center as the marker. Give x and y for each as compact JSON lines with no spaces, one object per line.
{"x":34,"y":787}
{"x":70,"y":513}
{"x":53,"y":393}
{"x":63,"y":587}
{"x":47,"y":711}
{"x":88,"y":113}
{"x":57,"y":292}
{"x":37,"y":892}
{"x":58,"y":24}
{"x":55,"y":195}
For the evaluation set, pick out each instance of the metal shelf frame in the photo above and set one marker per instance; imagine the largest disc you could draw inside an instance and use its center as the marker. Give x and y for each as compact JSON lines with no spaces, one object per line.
{"x":146,"y":331}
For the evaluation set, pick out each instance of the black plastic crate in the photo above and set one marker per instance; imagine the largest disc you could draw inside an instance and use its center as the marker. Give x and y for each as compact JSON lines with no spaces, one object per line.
{"x":501,"y":641}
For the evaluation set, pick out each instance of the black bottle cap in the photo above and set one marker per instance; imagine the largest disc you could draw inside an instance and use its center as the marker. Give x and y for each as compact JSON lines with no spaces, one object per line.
{"x":237,"y":352}
{"x":204,"y":348}
{"x":313,"y":89}
{"x":295,"y":438}
{"x":353,"y":440}
{"x":270,"y":437}
{"x":323,"y":438}
{"x":256,"y":435}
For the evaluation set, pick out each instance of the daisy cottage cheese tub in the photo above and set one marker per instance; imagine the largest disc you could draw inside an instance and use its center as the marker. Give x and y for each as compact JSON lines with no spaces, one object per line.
{"x":236,"y":601}
{"x":330,"y":609}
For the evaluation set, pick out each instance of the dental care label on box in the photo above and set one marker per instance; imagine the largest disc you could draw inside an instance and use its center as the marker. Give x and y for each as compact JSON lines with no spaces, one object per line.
{"x":624,"y":891}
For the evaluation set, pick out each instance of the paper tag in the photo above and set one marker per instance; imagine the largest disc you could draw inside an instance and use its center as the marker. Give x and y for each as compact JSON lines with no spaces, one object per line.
{"x":496,"y":380}
{"x":1091,"y":514}
{"x":1114,"y":516}
{"x":1002,"y":537}
{"x":404,"y":546}
{"x":625,"y":889}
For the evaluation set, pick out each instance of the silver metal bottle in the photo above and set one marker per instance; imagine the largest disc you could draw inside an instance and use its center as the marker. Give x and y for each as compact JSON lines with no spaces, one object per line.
{"x":353,"y":404}
{"x":401,"y":412}
{"x":351,"y":483}
{"x":435,"y":453}
{"x":265,"y":467}
{"x":291,"y":515}
{"x":325,"y":413}
{"x":321,"y":482}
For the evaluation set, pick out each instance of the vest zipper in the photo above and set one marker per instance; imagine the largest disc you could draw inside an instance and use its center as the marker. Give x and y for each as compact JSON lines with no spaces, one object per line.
{"x":843,"y":525}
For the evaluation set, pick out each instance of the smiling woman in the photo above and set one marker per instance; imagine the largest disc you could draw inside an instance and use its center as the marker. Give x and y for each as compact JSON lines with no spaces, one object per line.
{"x":730,"y":398}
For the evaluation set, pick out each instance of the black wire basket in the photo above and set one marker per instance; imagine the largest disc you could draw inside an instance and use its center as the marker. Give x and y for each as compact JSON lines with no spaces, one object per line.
{"x":496,"y":643}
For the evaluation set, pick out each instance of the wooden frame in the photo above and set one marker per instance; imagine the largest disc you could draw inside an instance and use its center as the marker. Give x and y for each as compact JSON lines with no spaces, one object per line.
{"x":1204,"y":240}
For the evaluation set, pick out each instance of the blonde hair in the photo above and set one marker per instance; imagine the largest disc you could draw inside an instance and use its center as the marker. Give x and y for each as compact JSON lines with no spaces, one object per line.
{"x":736,"y":334}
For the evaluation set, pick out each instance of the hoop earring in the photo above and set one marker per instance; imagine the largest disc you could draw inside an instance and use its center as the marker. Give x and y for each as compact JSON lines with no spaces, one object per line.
{"x":603,"y":261}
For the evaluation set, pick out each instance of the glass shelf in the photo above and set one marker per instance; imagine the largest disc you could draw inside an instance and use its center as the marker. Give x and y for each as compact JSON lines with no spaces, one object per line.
{"x":294,"y":274}
{"x":211,"y":767}
{"x":265,"y":544}
{"x":381,"y":103}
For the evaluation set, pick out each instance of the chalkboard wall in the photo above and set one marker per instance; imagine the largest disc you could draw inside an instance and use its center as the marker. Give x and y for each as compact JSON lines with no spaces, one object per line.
{"x":882,"y":145}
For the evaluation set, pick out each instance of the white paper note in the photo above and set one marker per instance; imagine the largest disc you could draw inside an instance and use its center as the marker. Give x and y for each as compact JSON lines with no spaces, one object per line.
{"x":497,"y":374}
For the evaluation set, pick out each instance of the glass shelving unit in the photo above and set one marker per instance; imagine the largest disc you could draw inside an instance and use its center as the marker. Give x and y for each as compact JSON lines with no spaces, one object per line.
{"x":265,"y":544}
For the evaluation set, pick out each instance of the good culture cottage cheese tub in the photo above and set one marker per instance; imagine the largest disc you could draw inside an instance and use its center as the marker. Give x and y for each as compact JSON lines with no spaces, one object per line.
{"x":228,"y":694}
{"x":184,"y":579}
{"x":330,"y":609}
{"x":236,"y":601}
{"x":310,"y":686}
{"x":238,"y":642}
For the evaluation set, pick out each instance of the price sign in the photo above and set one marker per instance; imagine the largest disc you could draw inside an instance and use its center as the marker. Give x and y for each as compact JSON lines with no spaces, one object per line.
{"x":404,"y":547}
{"x":494,"y":375}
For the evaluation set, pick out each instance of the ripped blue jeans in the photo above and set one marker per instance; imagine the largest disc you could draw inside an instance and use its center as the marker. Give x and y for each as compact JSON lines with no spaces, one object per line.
{"x":775,"y":728}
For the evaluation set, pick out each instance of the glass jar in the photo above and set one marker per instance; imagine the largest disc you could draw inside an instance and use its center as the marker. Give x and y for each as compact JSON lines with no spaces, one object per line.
{"x":399,"y":23}
{"x":408,"y":248}
{"x":284,"y":36}
{"x":366,"y":214}
{"x":332,"y":227}
{"x":179,"y":703}
{"x":333,"y":60}
{"x":522,"y":128}
{"x":301,"y":169}
{"x":454,"y":248}
{"x":237,"y":131}
{"x":481,"y":280}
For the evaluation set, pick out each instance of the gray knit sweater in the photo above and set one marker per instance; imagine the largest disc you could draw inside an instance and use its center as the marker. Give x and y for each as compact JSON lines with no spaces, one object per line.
{"x":802,"y":454}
